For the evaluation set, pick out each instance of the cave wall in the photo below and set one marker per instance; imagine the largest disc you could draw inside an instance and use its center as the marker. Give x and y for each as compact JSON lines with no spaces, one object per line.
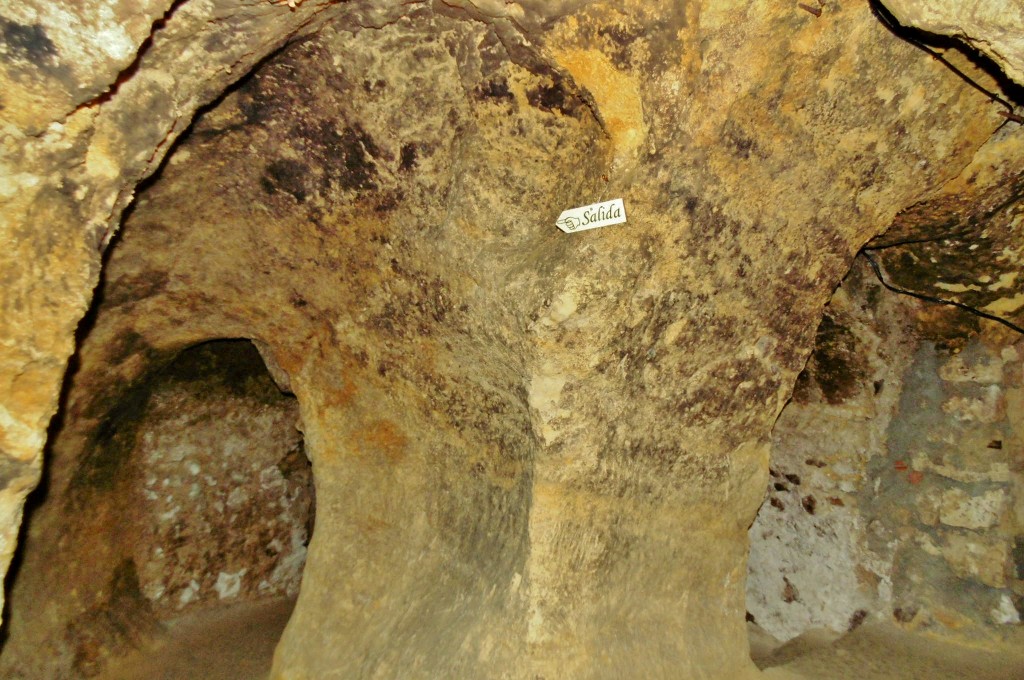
{"x":190,"y":492}
{"x":518,"y":436}
{"x":952,"y":499}
{"x":895,"y":479}
{"x":811,"y":565}
{"x":222,"y":490}
{"x":964,"y":243}
{"x":992,"y":28}
{"x":93,"y":97}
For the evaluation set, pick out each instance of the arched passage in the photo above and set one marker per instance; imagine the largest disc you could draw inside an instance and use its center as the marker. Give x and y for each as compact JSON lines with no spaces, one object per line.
{"x":890,"y":508}
{"x":384,"y":197}
{"x":183,"y":522}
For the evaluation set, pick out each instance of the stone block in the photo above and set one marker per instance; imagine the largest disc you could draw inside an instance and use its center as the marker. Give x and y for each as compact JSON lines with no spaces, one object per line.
{"x":973,"y":557}
{"x":960,"y":509}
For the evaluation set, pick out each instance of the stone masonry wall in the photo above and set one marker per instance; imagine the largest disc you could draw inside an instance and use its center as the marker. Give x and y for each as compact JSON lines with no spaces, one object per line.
{"x":895,"y":485}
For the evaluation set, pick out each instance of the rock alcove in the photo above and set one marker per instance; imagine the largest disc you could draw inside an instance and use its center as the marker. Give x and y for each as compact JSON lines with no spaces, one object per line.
{"x":185,"y":490}
{"x":892,"y":486}
{"x":536,"y":454}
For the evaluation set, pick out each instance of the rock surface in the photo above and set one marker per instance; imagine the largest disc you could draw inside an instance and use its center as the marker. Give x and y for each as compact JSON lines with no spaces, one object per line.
{"x":994,"y":27}
{"x":93,"y":97}
{"x":895,"y":475}
{"x":190,"y":492}
{"x":964,"y":243}
{"x":536,"y":454}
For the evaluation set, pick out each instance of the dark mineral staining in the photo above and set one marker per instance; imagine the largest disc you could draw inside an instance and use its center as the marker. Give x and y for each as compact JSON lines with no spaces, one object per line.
{"x":857,"y":618}
{"x":347,"y":154}
{"x":810,"y":504}
{"x":913,"y":268}
{"x":904,"y":614}
{"x":271,"y":90}
{"x":552,"y":98}
{"x":130,"y":344}
{"x":257,"y":100}
{"x":834,"y":365}
{"x":777,"y":504}
{"x":623,"y":36}
{"x":387,"y":202}
{"x":29,"y":43}
{"x":741,"y":146}
{"x":494,"y":89}
{"x":779,"y":486}
{"x":713,"y":398}
{"x":793,"y":479}
{"x":814,"y":462}
{"x":789,"y":593}
{"x":407,"y":156}
{"x":714,"y":223}
{"x":135,"y":288}
{"x":285,"y":175}
{"x":750,"y":618}
{"x":1018,"y":557}
{"x":621,"y":40}
{"x":104,"y":458}
{"x":739,"y":141}
{"x":114,"y":626}
{"x":995,"y":444}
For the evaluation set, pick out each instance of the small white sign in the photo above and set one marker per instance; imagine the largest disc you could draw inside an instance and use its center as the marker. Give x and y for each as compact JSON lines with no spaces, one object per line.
{"x":592,"y":216}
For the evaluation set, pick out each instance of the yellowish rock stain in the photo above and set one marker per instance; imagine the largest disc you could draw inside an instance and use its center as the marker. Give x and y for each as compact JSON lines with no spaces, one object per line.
{"x":617,"y":97}
{"x":1005,"y":305}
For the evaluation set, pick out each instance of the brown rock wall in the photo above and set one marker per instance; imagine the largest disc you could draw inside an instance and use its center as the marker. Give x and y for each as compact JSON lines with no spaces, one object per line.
{"x":536,"y":454}
{"x":94,"y":97}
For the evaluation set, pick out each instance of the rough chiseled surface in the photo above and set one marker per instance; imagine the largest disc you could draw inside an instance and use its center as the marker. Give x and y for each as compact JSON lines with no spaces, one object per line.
{"x":93,"y":96}
{"x":536,"y":455}
{"x":221,"y":493}
{"x":964,"y":243}
{"x":993,"y":27}
{"x":810,"y":563}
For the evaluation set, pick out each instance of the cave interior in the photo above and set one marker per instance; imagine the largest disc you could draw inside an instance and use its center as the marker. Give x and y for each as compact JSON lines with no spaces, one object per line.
{"x":302,"y":381}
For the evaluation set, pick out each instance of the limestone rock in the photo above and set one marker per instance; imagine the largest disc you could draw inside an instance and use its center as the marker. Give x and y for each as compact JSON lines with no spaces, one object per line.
{"x":993,"y":27}
{"x":972,"y":557}
{"x":957,"y":369}
{"x":93,"y":98}
{"x":872,"y":483}
{"x":963,"y":243}
{"x":536,"y":454}
{"x":958,"y":509}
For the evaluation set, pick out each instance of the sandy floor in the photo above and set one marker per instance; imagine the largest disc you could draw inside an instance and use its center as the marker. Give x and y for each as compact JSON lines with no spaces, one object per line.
{"x":237,"y":643}
{"x":233,"y":643}
{"x":886,"y":652}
